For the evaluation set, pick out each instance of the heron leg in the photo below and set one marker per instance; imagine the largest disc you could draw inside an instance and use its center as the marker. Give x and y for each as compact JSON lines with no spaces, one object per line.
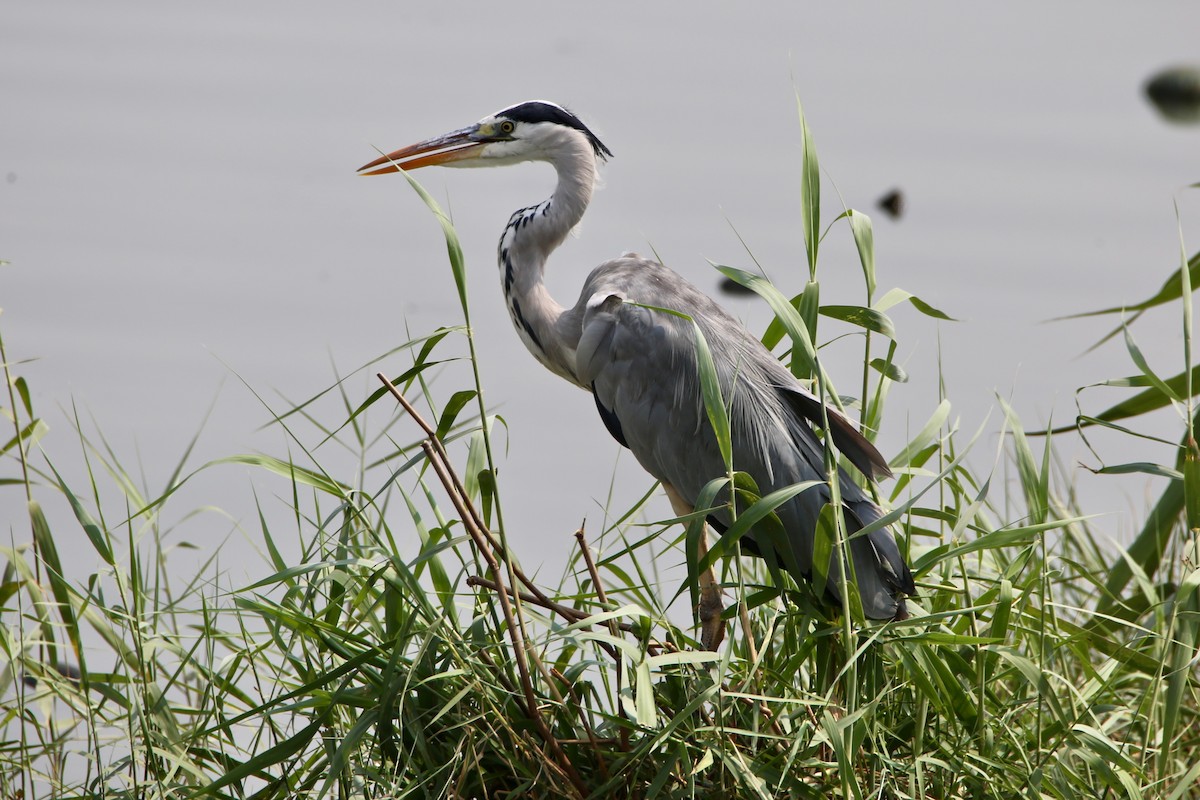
{"x":711,"y":605}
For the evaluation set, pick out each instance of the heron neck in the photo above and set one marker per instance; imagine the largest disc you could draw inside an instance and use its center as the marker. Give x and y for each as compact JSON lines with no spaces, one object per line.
{"x":532,"y":234}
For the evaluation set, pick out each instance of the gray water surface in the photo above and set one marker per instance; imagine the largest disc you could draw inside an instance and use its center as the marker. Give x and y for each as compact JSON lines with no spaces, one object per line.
{"x":180,"y":208}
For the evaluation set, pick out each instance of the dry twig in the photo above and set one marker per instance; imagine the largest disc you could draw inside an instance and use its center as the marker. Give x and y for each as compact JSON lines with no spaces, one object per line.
{"x":487,"y":546}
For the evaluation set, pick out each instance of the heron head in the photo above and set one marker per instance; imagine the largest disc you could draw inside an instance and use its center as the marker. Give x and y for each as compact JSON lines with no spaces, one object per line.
{"x":532,"y":131}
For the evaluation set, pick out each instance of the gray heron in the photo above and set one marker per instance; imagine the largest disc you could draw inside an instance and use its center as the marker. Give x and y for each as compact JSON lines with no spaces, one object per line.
{"x":640,"y":364}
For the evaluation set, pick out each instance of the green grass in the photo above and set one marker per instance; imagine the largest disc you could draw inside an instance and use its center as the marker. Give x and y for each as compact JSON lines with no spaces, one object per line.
{"x":404,"y":651}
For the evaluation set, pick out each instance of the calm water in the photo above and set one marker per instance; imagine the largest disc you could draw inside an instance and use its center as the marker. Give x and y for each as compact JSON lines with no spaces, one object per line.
{"x":180,"y":209}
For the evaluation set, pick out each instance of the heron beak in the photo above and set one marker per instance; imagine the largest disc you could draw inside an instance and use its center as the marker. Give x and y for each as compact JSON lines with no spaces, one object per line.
{"x":457,"y":145}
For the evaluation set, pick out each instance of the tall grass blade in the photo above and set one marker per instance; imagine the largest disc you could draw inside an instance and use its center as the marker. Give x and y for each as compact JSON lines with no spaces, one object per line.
{"x":1135,"y":354}
{"x":1035,"y":480}
{"x":787,"y":315}
{"x":291,"y":471}
{"x":810,"y":192}
{"x":714,"y":403}
{"x":48,"y":552}
{"x":1180,"y":665}
{"x":1146,"y":550}
{"x":454,"y":253}
{"x":864,"y":241}
{"x":809,"y":308}
{"x":1141,"y":403}
{"x":90,"y":528}
{"x":1191,"y":485}
{"x":1171,"y":291}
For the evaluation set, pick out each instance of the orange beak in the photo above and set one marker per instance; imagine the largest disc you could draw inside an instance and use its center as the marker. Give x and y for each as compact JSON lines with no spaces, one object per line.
{"x":457,"y":145}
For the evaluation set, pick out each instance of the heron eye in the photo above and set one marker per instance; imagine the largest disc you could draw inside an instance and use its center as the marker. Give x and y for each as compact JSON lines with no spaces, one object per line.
{"x":507,"y":126}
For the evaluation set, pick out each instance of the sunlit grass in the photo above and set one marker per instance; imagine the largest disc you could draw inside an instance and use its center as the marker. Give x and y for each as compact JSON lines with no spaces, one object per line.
{"x":404,"y":651}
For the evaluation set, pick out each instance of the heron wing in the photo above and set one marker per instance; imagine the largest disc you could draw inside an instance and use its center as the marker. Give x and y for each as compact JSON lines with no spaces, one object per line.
{"x":640,"y":363}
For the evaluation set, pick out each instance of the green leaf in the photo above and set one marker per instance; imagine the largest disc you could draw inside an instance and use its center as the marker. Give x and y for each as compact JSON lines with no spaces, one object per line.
{"x":998,"y":629}
{"x":714,"y":404}
{"x":1035,"y":481}
{"x":1151,"y":399}
{"x":1171,"y":290}
{"x":1036,"y":677}
{"x":630,"y":610}
{"x":450,"y":411}
{"x":949,"y":639}
{"x":867,"y":318}
{"x":1146,"y":551}
{"x":1135,"y":353}
{"x":400,"y":381}
{"x":1110,"y":752}
{"x":810,"y":192}
{"x":896,"y":296}
{"x":420,"y":364}
{"x":30,"y":435}
{"x":488,"y":493}
{"x":271,"y":757}
{"x":1185,"y":288}
{"x":690,"y":657}
{"x":1005,"y":537}
{"x":23,"y":390}
{"x":477,"y":463}
{"x":453,"y":248}
{"x":48,"y":552}
{"x":785,"y":313}
{"x":705,"y":502}
{"x":94,"y":534}
{"x":775,"y":331}
{"x":289,"y":470}
{"x":926,"y":437}
{"x":933,"y":671}
{"x":1191,"y":485}
{"x":752,"y":516}
{"x":824,"y":544}
{"x":809,"y":308}
{"x":928,"y":310}
{"x":1180,"y":664}
{"x":647,"y":714}
{"x":889,"y":370}
{"x":864,"y":240}
{"x":1141,"y":467}
{"x":1185,"y":786}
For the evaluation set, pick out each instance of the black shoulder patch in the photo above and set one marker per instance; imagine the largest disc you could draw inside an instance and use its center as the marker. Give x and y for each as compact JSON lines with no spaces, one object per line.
{"x":610,"y":420}
{"x":852,"y":444}
{"x":541,"y":111}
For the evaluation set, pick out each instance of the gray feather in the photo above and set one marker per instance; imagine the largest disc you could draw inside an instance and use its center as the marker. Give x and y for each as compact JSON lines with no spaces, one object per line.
{"x":641,"y":365}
